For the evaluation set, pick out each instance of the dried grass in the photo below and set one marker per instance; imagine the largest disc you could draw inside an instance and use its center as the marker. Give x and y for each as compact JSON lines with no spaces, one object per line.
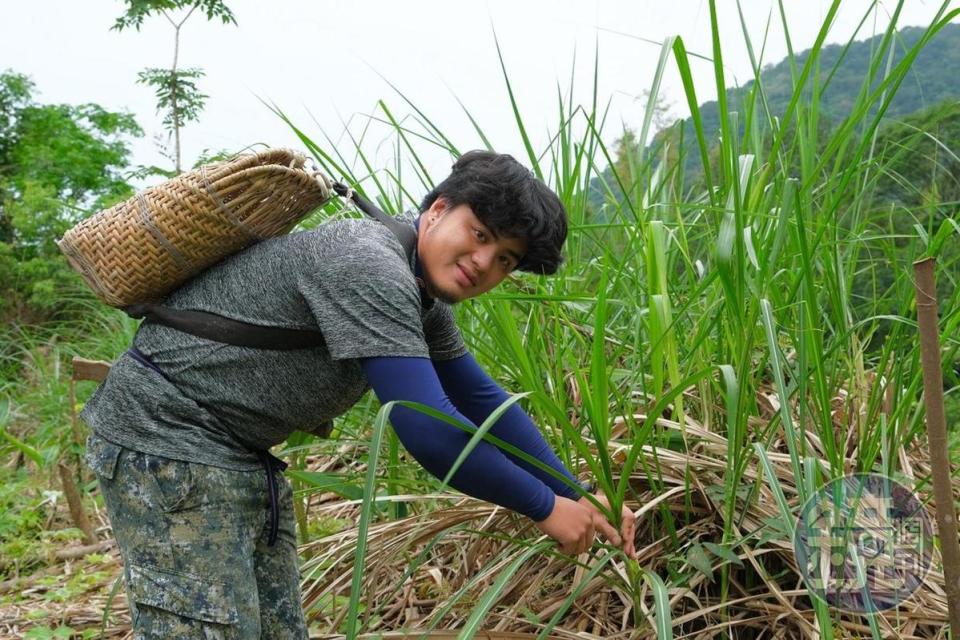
{"x":445,"y":549}
{"x":767,"y":597}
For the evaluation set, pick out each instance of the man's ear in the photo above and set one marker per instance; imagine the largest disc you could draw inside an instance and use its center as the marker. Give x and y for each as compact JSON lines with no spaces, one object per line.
{"x":438,"y":208}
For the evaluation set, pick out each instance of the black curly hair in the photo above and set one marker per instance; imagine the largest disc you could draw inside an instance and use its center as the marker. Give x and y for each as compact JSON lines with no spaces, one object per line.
{"x":511,"y":201}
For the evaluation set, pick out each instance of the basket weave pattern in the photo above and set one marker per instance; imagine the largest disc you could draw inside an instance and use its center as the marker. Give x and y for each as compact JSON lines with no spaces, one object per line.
{"x":141,"y":249}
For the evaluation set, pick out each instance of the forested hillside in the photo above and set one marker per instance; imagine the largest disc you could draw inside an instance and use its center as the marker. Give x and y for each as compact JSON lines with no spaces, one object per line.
{"x":931,"y":79}
{"x":924,"y":98}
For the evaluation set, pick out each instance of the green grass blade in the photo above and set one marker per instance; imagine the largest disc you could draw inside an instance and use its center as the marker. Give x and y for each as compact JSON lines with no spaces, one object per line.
{"x":531,"y":155}
{"x":366,"y":514}
{"x":490,"y":596}
{"x":578,"y":588}
{"x":661,"y":602}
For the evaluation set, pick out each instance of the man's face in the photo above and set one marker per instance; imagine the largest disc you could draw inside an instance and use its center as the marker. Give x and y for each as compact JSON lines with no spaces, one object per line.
{"x":461,"y":257}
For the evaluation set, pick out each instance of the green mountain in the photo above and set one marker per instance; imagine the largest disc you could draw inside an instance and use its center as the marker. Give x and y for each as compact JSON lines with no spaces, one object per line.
{"x":932,"y":78}
{"x":931,"y":82}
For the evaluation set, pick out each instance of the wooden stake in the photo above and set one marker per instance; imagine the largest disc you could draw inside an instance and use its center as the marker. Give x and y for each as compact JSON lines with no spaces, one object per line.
{"x":926,"y":286}
{"x":95,"y":370}
{"x":74,"y":502}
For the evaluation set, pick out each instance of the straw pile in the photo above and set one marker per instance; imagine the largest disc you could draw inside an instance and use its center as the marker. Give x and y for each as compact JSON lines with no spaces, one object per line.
{"x":410,"y":575}
{"x":417,"y":565}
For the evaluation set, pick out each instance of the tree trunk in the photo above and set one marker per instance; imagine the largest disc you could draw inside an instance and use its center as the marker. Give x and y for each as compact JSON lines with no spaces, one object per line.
{"x":173,"y":98}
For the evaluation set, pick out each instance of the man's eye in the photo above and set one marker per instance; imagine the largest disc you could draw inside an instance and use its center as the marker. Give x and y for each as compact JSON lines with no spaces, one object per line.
{"x":480,"y":235}
{"x":505,"y":262}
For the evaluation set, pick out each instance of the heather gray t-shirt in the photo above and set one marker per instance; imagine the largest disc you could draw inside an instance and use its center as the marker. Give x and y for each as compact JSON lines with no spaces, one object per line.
{"x":347,"y":278}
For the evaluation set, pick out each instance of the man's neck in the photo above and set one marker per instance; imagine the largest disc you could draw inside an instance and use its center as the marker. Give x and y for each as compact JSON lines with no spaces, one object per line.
{"x":417,"y":269}
{"x":426,"y":300}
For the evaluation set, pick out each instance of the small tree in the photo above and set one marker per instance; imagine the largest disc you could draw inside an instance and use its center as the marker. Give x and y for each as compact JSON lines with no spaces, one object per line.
{"x":58,"y":163}
{"x":178,"y":98}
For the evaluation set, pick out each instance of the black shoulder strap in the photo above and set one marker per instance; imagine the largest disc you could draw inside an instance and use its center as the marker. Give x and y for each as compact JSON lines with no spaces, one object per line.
{"x":218,"y":328}
{"x":212,"y":326}
{"x":406,"y":235}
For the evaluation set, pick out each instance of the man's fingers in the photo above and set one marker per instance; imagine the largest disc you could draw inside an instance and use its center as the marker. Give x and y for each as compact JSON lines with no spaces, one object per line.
{"x":607,"y":530}
{"x":587,"y":541}
{"x":629,"y":525}
{"x":596,"y":523}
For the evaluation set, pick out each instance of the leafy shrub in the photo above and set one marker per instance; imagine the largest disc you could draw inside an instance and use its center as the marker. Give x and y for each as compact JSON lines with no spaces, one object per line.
{"x":58,"y":164}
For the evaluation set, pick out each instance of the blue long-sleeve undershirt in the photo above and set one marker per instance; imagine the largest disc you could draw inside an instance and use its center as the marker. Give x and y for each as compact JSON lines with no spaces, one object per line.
{"x":487,"y":473}
{"x":477,"y":396}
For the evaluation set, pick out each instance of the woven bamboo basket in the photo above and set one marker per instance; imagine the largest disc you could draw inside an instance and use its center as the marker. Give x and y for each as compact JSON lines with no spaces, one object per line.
{"x":141,"y":249}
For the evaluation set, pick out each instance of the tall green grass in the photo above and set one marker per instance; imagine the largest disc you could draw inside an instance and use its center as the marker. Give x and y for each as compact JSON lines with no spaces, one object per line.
{"x":694,"y":300}
{"x":729,"y":288}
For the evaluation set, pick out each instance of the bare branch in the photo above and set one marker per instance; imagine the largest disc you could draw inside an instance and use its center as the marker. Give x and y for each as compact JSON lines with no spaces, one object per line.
{"x":189,"y":13}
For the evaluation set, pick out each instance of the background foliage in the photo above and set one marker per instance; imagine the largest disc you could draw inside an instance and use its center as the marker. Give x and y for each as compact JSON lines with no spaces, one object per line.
{"x":59,"y":163}
{"x":743,"y":280}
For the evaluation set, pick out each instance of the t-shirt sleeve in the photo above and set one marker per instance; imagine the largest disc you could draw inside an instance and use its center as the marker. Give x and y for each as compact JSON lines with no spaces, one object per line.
{"x":442,"y":335}
{"x":364,"y":298}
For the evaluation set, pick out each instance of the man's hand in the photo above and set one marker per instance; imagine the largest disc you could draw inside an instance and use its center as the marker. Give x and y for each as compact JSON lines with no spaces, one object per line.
{"x":574,"y":525}
{"x":627,"y":523}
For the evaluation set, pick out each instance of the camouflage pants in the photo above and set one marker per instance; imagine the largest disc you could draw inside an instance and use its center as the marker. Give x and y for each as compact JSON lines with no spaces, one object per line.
{"x":194,"y":545}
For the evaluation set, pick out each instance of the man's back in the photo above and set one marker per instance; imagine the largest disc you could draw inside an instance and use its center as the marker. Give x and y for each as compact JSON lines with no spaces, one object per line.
{"x":349,"y":278}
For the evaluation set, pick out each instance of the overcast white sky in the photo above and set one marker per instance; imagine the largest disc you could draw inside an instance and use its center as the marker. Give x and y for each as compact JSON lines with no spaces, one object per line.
{"x":322,"y":61}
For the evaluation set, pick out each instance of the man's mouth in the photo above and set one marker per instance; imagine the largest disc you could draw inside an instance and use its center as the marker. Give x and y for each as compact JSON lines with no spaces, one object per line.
{"x":466,"y":276}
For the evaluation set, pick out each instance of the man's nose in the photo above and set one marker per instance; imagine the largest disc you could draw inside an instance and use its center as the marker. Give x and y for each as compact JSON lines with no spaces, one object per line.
{"x":483,"y":258}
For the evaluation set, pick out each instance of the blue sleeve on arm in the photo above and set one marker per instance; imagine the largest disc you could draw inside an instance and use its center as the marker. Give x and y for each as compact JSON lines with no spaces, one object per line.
{"x":486,"y":473}
{"x":477,"y":395}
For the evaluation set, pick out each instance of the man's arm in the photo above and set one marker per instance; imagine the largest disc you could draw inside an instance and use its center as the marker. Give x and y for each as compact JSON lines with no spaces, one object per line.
{"x":477,"y":395}
{"x":486,"y":473}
